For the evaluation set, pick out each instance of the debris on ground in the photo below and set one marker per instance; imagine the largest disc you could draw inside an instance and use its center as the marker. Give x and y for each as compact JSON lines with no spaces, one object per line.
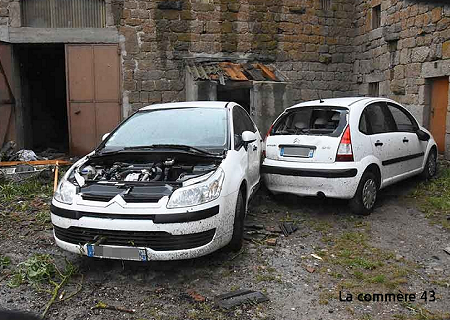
{"x":271,"y":241}
{"x":447,"y":250}
{"x":196,"y":296}
{"x":238,"y":297}
{"x":254,"y":226}
{"x":316,"y":256}
{"x":288,"y":228}
{"x":25,"y":155}
{"x":102,"y":305}
{"x":260,"y":234}
{"x":273,"y":229}
{"x":7,"y":150}
{"x":22,"y":170}
{"x":310,"y":269}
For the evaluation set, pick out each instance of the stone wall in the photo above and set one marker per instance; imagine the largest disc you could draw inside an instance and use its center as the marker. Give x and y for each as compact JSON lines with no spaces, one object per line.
{"x":413,"y":34}
{"x":311,"y":46}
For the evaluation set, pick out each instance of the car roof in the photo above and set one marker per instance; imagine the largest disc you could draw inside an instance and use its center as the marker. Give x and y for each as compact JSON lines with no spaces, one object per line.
{"x":348,"y":102}
{"x":190,"y":104}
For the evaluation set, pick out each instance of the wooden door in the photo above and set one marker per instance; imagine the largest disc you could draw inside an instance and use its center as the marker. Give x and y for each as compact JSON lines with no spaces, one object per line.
{"x":7,"y":102}
{"x":439,"y":105}
{"x":93,"y":93}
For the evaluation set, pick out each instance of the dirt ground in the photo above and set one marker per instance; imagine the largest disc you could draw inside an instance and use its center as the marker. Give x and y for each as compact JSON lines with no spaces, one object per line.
{"x":394,"y":250}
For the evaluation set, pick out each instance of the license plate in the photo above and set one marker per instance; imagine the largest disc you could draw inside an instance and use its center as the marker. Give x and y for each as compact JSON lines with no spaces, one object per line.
{"x":112,"y":252}
{"x":302,"y":152}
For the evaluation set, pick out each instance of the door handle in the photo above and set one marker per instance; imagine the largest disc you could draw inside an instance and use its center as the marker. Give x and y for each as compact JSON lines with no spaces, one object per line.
{"x":378,"y":143}
{"x":77,"y":112}
{"x":255,"y":148}
{"x":405,"y":140}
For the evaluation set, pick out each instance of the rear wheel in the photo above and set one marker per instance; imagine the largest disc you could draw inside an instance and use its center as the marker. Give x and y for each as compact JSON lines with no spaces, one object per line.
{"x":364,"y":200}
{"x":238,"y":226}
{"x":430,"y":166}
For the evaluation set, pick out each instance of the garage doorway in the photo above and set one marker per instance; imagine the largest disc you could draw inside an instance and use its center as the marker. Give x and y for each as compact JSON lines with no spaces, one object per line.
{"x":240,"y":95}
{"x":438,"y":110}
{"x":43,"y":91}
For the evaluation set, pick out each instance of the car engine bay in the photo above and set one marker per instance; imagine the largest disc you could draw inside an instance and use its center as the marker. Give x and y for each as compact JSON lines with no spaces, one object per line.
{"x":139,"y":178}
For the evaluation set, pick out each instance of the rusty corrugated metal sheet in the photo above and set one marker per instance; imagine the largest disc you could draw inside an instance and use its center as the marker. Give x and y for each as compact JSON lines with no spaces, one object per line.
{"x":225,"y":70}
{"x":63,"y":13}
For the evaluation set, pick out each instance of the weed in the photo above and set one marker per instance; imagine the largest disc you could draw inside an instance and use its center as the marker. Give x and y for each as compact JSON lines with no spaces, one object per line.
{"x":433,"y":198}
{"x":4,"y":262}
{"x":42,"y":273}
{"x":381,"y":278}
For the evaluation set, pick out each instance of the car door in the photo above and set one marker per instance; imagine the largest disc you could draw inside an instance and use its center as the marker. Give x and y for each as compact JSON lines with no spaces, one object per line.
{"x":407,"y":126}
{"x":254,"y":149}
{"x":238,"y":128}
{"x":387,"y":144}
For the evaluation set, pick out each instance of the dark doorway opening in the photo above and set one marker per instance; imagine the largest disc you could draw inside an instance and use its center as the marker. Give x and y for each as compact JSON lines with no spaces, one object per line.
{"x":235,"y":94}
{"x":43,"y":93}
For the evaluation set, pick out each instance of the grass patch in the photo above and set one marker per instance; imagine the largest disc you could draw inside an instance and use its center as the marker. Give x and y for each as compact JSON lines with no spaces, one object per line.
{"x":355,"y":264}
{"x":29,"y":189}
{"x":433,"y":198}
{"x":25,"y":201}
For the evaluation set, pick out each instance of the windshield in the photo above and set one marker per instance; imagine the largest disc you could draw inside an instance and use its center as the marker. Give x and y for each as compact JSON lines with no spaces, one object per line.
{"x":320,"y":120}
{"x":204,"y":128}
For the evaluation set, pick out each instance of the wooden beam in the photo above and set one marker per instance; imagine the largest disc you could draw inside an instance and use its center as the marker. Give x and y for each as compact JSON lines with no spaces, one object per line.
{"x":35,"y":163}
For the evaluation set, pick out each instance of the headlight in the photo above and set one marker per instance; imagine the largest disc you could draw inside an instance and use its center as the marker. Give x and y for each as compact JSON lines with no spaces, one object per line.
{"x":199,"y":193}
{"x":65,"y":192}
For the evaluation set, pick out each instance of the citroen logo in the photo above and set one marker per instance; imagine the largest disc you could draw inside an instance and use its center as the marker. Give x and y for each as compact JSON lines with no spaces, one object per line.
{"x":296,"y":140}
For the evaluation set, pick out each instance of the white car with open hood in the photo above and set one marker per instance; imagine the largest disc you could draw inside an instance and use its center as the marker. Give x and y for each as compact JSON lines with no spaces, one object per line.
{"x":171,"y":182}
{"x":346,"y":148}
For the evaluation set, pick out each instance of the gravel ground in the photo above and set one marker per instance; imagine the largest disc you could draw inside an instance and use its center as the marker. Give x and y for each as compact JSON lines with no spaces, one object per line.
{"x":401,"y":250}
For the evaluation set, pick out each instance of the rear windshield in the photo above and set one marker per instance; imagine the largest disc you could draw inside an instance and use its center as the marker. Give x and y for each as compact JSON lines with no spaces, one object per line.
{"x":320,"y":120}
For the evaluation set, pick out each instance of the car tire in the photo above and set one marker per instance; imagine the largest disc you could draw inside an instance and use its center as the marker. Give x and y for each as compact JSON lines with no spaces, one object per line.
{"x":238,"y":225}
{"x":364,"y":200}
{"x":430,"y":166}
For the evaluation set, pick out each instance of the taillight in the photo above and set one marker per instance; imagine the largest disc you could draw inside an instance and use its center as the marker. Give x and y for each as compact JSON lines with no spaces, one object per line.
{"x":344,"y":152}
{"x":270,"y":130}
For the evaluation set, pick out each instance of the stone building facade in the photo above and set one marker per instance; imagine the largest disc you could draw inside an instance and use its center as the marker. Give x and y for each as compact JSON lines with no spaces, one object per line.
{"x":402,"y":57}
{"x":324,"y":48}
{"x":308,"y":41}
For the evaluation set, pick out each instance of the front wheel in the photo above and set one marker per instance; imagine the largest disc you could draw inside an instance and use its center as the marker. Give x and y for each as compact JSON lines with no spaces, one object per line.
{"x":364,"y":200}
{"x":430,"y":166}
{"x":238,"y":225}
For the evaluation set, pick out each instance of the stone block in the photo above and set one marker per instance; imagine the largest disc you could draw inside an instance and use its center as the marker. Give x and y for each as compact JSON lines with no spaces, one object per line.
{"x":420,"y":54}
{"x":446,"y":49}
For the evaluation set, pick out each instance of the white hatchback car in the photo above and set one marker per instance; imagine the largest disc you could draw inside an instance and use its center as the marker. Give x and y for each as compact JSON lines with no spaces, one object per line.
{"x":346,"y":148}
{"x":171,"y":182}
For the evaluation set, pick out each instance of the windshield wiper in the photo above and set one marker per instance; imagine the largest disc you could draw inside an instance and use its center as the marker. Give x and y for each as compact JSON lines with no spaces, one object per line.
{"x":172,"y":146}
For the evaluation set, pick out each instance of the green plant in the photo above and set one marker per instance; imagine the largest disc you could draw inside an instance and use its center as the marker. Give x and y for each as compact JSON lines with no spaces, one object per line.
{"x":4,"y":261}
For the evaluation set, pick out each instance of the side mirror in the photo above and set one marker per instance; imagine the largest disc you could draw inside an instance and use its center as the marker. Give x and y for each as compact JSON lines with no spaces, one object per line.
{"x":422,"y":135}
{"x":248,"y":137}
{"x":105,"y":135}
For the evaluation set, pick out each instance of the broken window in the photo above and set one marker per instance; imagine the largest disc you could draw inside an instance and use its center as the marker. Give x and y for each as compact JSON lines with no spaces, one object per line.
{"x":376,"y":16}
{"x":318,"y":120}
{"x":63,"y":13}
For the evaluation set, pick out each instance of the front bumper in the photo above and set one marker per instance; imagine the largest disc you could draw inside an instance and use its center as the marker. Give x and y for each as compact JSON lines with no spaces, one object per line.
{"x":333,"y":180}
{"x":151,"y":234}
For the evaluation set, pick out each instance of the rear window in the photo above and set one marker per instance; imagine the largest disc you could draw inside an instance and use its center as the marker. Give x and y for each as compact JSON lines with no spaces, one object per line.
{"x":326,"y":121}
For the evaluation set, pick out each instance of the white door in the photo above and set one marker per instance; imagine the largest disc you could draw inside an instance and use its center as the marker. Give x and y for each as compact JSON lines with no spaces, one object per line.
{"x":241,"y":123}
{"x":407,"y":126}
{"x":387,"y":144}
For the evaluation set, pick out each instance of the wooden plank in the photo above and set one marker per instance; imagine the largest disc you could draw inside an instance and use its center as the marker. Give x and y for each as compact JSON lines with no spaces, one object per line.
{"x":266,"y":71}
{"x":35,"y":163}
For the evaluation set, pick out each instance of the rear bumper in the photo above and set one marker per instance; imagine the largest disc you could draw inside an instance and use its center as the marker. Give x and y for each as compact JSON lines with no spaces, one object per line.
{"x":329,"y":179}
{"x":316,"y":173}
